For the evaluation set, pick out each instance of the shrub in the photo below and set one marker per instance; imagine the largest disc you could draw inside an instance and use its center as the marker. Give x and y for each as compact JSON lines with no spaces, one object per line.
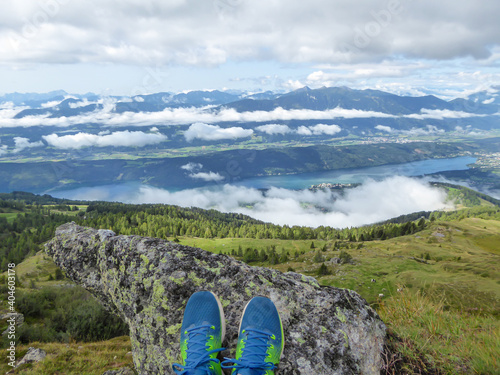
{"x":59,"y":274}
{"x":323,"y":270}
{"x":318,"y":258}
{"x":91,"y":322}
{"x":66,"y":313}
{"x":345,"y":257}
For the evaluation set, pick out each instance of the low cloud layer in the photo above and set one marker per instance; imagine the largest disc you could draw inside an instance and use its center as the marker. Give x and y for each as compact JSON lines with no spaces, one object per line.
{"x":384,"y":128}
{"x":207,"y":176}
{"x":214,"y":132}
{"x":426,"y":130}
{"x":117,"y":139}
{"x":372,"y":202}
{"x":319,"y":129}
{"x":273,"y":129}
{"x":208,"y":115}
{"x":22,"y":143}
{"x":196,"y":172}
{"x":3,"y":150}
{"x":191,"y":167}
{"x":441,"y":114}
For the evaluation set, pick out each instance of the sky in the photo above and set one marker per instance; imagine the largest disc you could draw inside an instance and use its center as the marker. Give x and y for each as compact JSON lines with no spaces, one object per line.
{"x":450,"y":48}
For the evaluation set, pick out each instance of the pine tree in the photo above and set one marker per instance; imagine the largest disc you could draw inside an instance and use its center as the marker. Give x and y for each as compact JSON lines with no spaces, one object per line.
{"x":318,"y":258}
{"x":323,"y":270}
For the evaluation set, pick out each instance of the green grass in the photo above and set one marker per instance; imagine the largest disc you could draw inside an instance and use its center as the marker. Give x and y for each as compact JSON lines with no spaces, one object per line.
{"x":37,"y":268}
{"x":76,"y":358}
{"x":225,"y":245}
{"x":10,"y":216}
{"x":463,"y":263}
{"x":455,"y":342}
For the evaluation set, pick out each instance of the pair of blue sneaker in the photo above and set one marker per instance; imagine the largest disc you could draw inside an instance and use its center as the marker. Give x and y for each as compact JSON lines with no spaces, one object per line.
{"x":260,"y":340}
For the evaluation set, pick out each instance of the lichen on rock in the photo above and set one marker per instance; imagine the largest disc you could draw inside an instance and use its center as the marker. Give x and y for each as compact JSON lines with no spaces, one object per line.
{"x":148,"y":281}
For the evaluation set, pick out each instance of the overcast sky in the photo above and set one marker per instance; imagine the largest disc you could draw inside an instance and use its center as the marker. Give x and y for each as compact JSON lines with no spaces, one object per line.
{"x":129,"y":47}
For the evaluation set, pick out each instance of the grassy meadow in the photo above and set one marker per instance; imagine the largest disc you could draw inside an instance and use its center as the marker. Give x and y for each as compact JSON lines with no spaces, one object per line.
{"x":437,"y":290}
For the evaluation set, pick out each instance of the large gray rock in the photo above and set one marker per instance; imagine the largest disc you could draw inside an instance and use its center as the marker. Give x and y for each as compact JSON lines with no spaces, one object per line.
{"x":32,"y":355}
{"x":148,"y":281}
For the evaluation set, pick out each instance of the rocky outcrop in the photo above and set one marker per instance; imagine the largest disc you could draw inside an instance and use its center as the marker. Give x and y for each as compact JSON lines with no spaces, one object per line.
{"x":32,"y":355}
{"x":148,"y":281}
{"x":17,"y":318}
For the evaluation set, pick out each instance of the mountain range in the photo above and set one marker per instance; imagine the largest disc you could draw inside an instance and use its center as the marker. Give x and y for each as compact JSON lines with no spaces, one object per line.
{"x":59,"y":103}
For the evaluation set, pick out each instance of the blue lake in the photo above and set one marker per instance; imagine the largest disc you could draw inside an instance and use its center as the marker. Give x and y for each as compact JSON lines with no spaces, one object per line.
{"x":358,"y":175}
{"x":126,"y":192}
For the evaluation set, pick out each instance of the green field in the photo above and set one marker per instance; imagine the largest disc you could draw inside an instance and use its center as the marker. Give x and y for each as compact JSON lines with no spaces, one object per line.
{"x":10,"y":216}
{"x":463,"y":261}
{"x":225,"y":245}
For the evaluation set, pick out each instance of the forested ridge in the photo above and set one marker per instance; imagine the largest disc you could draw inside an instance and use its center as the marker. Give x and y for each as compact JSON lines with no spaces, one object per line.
{"x":33,"y":220}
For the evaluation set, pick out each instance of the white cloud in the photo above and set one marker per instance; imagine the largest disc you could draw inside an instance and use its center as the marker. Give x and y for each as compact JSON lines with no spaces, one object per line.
{"x":372,"y":202}
{"x":207,"y":176}
{"x":81,"y":103}
{"x":195,"y":168}
{"x":208,"y":115}
{"x":318,"y":129}
{"x":440,"y":114}
{"x":429,"y":129}
{"x":384,"y":128}
{"x":117,"y":139}
{"x":325,"y":129}
{"x":214,"y":132}
{"x":209,"y":33}
{"x":154,"y":129}
{"x":178,"y":116}
{"x":24,"y":143}
{"x":192,"y":166}
{"x":304,"y":130}
{"x":488,"y":101}
{"x":3,"y":150}
{"x":273,"y":129}
{"x":50,"y":104}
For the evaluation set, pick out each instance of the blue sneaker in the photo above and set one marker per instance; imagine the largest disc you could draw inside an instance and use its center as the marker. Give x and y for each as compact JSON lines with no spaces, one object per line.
{"x":202,"y":332}
{"x":260,"y":340}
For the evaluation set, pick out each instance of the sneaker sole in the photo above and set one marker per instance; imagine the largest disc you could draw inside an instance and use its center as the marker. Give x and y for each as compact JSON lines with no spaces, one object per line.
{"x":222,"y":317}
